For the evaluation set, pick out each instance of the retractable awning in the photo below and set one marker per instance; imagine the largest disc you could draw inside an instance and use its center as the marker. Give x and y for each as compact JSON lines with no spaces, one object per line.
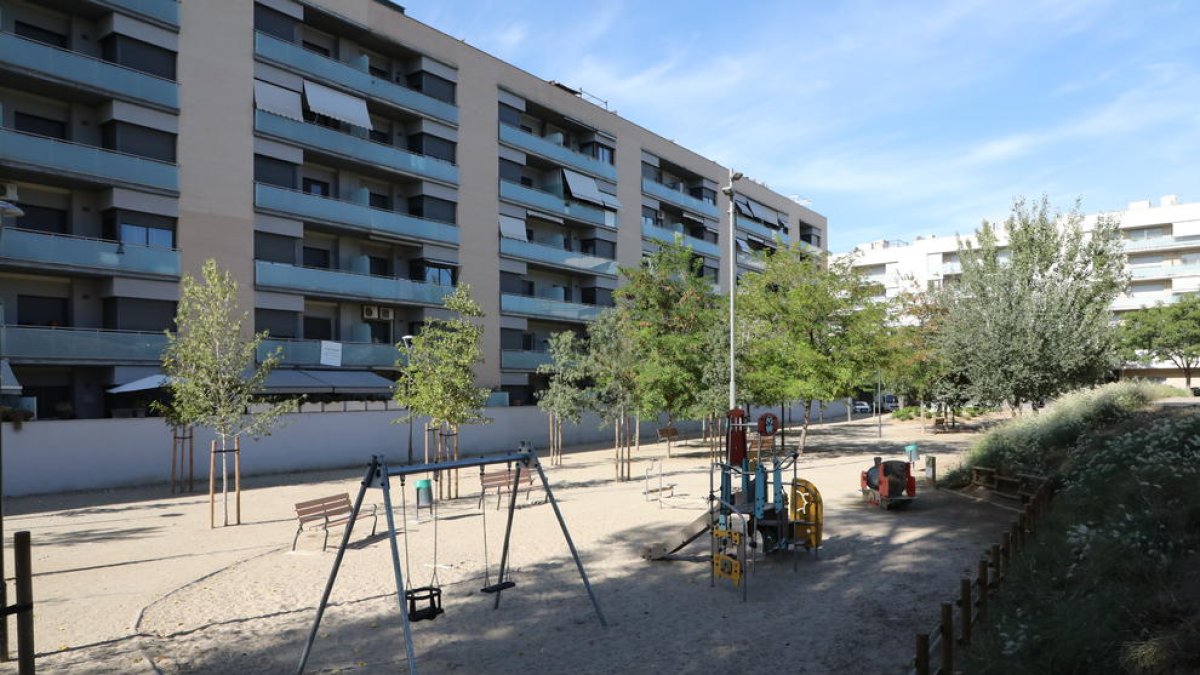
{"x":583,"y":187}
{"x":275,"y":99}
{"x":512,"y":228}
{"x":352,"y":381}
{"x":156,"y":381}
{"x":333,"y":103}
{"x":9,"y":386}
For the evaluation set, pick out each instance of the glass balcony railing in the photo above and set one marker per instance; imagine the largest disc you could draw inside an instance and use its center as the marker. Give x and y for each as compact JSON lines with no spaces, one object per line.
{"x":511,"y":359}
{"x":83,"y":346}
{"x":552,"y":203}
{"x":1125,"y":302}
{"x":340,"y":284}
{"x":750,"y":260}
{"x":57,"y":251}
{"x":110,"y":79}
{"x":680,"y":199}
{"x":354,"y":148}
{"x":86,"y":162}
{"x":304,"y":353}
{"x":360,"y":217}
{"x":1164,"y":271}
{"x":546,"y":308}
{"x":557,"y":256}
{"x":556,"y":153}
{"x":952,"y":268}
{"x":1157,"y":243}
{"x":344,"y":74}
{"x":697,"y":245}
{"x":759,"y":230}
{"x":166,"y":11}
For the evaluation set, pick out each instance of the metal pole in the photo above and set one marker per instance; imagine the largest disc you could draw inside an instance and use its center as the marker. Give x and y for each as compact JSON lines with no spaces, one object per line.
{"x":3,"y":579}
{"x":567,"y":535}
{"x":512,"y":508}
{"x":25,"y":601}
{"x":879,"y":399}
{"x":397,"y":572}
{"x":732,"y":250}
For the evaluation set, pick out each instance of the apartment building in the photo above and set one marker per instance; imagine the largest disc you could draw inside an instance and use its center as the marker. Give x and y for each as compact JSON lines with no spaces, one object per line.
{"x":348,"y":164}
{"x":1162,"y":245}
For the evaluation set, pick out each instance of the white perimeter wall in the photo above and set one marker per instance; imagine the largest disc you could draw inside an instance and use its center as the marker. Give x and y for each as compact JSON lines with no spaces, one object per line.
{"x":64,"y":455}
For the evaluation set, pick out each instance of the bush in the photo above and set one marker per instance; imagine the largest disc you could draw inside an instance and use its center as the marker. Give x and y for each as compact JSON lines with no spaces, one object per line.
{"x":907,"y":413}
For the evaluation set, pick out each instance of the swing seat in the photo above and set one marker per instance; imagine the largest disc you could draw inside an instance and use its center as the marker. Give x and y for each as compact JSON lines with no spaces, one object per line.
{"x":428,"y":594}
{"x":496,"y":588}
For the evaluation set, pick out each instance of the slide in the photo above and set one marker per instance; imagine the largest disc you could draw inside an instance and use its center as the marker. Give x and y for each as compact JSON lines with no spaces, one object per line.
{"x":686,"y":535}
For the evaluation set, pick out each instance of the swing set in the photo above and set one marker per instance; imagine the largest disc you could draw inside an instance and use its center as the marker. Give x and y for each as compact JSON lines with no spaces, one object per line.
{"x":425,"y":602}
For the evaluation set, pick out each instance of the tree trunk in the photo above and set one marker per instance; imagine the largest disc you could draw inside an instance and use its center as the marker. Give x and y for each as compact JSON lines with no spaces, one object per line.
{"x":849,"y":409}
{"x":224,"y":480}
{"x":804,"y":427}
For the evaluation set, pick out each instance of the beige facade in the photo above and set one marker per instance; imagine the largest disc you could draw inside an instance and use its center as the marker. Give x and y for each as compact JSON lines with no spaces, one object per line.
{"x":347,"y":163}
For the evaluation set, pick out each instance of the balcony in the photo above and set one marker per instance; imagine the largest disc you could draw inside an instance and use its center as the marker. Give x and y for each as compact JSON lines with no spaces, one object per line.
{"x":358,"y":217}
{"x":305,"y":353}
{"x":1127,"y":302}
{"x":545,"y":308}
{"x":43,"y":251}
{"x":1158,"y":244}
{"x":104,"y":168}
{"x":348,"y":285}
{"x":951,"y":268}
{"x":698,"y":245}
{"x":511,"y":359}
{"x":82,"y":346}
{"x":759,"y":230}
{"x":78,"y":70}
{"x":559,"y":206}
{"x":163,"y":11}
{"x":354,"y":148}
{"x":751,"y":261}
{"x":680,"y":199}
{"x":557,"y":257}
{"x":556,"y":153}
{"x":1164,"y":271}
{"x":334,"y":72}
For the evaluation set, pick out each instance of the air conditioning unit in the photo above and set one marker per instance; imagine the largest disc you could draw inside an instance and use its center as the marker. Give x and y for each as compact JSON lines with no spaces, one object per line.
{"x":387,"y":313}
{"x":8,"y":192}
{"x":370,"y":312}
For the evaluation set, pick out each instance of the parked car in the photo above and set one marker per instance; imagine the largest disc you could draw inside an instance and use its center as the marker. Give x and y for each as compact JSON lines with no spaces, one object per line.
{"x":862,"y":407}
{"x":1195,"y":391}
{"x":890,"y":403}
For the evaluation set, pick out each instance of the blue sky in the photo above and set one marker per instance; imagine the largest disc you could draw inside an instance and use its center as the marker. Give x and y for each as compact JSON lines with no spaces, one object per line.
{"x":894,"y":118}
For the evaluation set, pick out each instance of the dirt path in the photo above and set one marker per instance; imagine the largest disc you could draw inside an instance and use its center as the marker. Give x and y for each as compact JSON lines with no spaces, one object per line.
{"x":127,"y":580}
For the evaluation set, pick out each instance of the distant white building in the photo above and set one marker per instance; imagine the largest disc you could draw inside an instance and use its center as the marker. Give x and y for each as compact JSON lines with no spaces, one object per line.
{"x":1162,"y":243}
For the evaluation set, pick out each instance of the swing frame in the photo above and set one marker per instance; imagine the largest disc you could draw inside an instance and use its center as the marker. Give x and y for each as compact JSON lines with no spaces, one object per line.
{"x":378,"y":474}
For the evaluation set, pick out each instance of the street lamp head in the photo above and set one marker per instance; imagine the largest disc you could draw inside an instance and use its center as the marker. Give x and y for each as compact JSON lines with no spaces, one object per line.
{"x":407,"y":341}
{"x":736,"y":176}
{"x":10,"y":210}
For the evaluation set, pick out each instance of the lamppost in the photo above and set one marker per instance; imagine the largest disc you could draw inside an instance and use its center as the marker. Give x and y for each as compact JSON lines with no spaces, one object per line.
{"x":7,"y":210}
{"x":407,"y":342}
{"x":734,"y":176}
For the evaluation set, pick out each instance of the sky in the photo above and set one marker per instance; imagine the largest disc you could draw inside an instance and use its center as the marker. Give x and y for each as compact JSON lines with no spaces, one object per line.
{"x":894,"y":119}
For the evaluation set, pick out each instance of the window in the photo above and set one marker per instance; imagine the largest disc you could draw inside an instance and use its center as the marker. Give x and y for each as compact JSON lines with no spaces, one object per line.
{"x":510,"y":115}
{"x":317,"y":187}
{"x":650,"y":217}
{"x":316,"y":257}
{"x":138,"y":55}
{"x":318,"y":328}
{"x":381,"y":332}
{"x":38,"y":310}
{"x":439,"y":274}
{"x":705,"y":194}
{"x":379,"y":266}
{"x":511,"y":284}
{"x":274,"y":172}
{"x":274,"y":23}
{"x":599,"y":248}
{"x":432,"y":146}
{"x":139,"y":229}
{"x":139,"y":140}
{"x":274,"y":248}
{"x":40,"y":34}
{"x":424,"y":206}
{"x":147,"y":236}
{"x":431,"y":85}
{"x":702,"y":233}
{"x":277,"y":323}
{"x":379,"y":201}
{"x":651,"y":172}
{"x":53,"y":402}
{"x":511,"y":171}
{"x":42,"y":126}
{"x":138,"y":314}
{"x":316,"y":48}
{"x":512,"y":339}
{"x":380,"y":136}
{"x":43,"y":219}
{"x":601,"y":297}
{"x":598,"y":150}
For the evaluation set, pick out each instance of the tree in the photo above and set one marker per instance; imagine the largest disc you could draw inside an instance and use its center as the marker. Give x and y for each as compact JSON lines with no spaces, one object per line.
{"x":814,"y":332}
{"x":669,"y":308}
{"x":612,"y":365}
{"x":437,"y":379}
{"x":1164,"y":333}
{"x":1032,"y":321}
{"x":209,"y":362}
{"x":566,"y":396}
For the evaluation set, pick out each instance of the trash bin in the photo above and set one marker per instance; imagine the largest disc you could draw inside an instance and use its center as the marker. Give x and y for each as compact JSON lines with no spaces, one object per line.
{"x":424,"y":493}
{"x":912,"y":451}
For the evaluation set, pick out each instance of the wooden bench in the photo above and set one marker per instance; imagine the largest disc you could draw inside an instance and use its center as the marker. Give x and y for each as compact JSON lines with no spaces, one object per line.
{"x":502,"y":481}
{"x":328,"y":512}
{"x":670,"y":434}
{"x":939,"y":424}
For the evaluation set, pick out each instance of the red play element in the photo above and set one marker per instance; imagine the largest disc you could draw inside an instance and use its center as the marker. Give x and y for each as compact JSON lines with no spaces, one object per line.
{"x":737,"y":437}
{"x":768,"y":424}
{"x":888,"y":483}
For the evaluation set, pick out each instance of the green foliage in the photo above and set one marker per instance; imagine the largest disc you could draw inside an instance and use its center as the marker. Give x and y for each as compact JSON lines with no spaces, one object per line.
{"x":612,"y":365}
{"x":567,"y":394}
{"x":667,"y":309}
{"x":437,"y":378}
{"x":210,"y":362}
{"x":813,"y":331}
{"x":907,"y":413}
{"x":1033,"y":323}
{"x":1164,"y":333}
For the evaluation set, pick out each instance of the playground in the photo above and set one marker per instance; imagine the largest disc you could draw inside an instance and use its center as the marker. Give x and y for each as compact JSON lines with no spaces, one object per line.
{"x":134,"y":580}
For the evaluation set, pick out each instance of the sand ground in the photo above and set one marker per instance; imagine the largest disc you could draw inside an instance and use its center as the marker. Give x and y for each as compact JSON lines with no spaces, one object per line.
{"x":134,"y":581}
